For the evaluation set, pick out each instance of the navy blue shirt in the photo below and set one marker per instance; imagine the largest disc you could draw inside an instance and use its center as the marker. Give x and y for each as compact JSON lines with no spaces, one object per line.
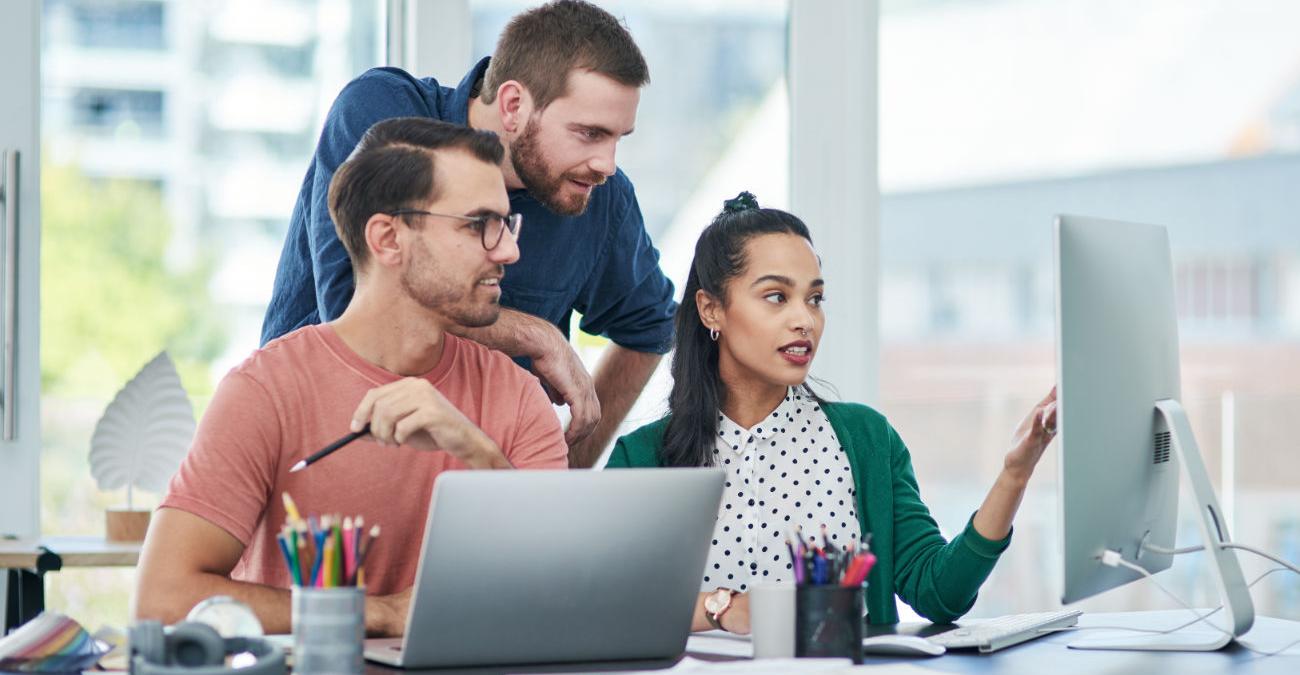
{"x":601,"y":263}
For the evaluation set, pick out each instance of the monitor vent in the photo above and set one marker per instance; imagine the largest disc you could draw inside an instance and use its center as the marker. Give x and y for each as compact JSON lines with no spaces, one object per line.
{"x":1163,"y":440}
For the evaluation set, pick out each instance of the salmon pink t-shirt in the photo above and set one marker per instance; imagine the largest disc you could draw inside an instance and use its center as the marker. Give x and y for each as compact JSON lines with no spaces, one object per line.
{"x":297,"y":395}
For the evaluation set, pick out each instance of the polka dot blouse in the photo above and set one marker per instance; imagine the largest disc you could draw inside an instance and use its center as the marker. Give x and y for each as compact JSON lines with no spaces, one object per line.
{"x":788,"y":470}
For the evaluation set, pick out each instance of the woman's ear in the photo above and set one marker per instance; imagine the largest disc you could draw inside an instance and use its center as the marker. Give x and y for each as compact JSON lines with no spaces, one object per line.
{"x":710,"y":309}
{"x":382,"y":241}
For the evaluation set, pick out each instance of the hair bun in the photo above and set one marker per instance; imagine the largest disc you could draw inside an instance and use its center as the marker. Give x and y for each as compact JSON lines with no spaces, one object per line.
{"x":744,"y":201}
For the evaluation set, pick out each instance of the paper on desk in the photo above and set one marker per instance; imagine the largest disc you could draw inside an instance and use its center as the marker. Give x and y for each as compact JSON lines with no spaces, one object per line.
{"x":50,"y":643}
{"x":690,"y":666}
{"x":761,"y":666}
{"x":720,"y":643}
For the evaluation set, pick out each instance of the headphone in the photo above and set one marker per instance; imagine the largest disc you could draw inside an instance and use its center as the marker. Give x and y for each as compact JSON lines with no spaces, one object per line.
{"x":192,"y":648}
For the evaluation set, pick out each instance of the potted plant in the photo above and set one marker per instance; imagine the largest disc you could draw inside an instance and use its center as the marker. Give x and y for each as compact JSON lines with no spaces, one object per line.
{"x":140,"y":442}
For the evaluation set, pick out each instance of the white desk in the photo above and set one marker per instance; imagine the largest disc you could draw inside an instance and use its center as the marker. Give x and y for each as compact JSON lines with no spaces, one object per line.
{"x":1044,"y":656}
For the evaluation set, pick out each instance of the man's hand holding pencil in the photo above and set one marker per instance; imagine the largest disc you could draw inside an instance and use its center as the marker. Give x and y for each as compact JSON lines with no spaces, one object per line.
{"x":413,"y":412}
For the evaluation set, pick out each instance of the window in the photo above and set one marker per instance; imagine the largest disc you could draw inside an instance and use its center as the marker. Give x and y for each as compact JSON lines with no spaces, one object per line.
{"x":1125,"y":111}
{"x":110,"y":25}
{"x":168,"y":181}
{"x":121,"y":111}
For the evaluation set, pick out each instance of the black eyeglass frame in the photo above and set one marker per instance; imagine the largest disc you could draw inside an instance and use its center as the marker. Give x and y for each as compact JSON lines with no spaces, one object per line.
{"x":511,"y":222}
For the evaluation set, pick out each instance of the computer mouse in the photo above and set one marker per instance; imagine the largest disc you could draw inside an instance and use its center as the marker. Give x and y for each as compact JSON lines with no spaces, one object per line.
{"x":901,"y":645}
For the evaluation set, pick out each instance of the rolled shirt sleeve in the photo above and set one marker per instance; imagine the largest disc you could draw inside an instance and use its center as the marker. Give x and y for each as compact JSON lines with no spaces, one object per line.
{"x":628,"y":298}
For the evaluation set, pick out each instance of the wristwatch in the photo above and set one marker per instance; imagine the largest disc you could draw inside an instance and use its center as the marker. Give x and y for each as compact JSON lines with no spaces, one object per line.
{"x":716,"y":604}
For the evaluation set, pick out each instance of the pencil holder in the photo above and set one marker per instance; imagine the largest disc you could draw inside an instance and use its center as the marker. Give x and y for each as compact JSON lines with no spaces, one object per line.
{"x":329,"y":626}
{"x":828,"y":622}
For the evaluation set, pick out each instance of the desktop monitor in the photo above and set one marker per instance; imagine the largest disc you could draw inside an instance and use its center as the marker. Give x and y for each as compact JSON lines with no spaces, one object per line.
{"x":1124,"y":439}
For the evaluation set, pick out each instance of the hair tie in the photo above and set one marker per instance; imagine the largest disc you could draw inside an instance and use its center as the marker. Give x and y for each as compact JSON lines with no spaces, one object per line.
{"x":744,"y":201}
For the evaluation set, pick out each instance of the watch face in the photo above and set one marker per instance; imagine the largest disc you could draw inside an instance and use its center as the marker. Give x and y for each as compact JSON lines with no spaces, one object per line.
{"x":717,"y":600}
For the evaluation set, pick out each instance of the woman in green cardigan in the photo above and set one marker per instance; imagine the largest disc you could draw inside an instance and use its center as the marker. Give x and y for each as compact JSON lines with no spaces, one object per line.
{"x":747,"y":331}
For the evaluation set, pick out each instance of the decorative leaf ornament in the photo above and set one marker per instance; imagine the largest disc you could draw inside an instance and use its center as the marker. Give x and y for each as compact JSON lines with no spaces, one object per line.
{"x":145,"y":432}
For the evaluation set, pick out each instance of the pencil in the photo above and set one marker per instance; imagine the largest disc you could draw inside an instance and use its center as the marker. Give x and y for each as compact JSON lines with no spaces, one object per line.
{"x":290,"y":545}
{"x":367,"y":545}
{"x":325,"y":451}
{"x":304,"y":553}
{"x":318,"y":537}
{"x":290,"y":508}
{"x":327,"y":568}
{"x":338,"y":551}
{"x":284,"y":548}
{"x":360,"y":532}
{"x":349,"y":550}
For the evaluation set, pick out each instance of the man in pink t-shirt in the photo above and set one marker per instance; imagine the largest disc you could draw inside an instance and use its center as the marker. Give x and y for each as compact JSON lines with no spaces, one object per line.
{"x":422,"y":209}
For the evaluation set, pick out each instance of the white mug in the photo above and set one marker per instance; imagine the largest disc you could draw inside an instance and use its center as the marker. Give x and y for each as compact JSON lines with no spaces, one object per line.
{"x":771,"y":620}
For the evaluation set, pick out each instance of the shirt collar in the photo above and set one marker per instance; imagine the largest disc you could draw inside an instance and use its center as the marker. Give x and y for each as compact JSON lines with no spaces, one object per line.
{"x":735,"y":436}
{"x":457,"y":111}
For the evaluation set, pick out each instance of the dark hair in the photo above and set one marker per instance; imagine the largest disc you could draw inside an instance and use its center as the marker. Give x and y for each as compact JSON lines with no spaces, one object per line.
{"x":698,"y":393}
{"x":392,"y":168}
{"x":540,"y":47}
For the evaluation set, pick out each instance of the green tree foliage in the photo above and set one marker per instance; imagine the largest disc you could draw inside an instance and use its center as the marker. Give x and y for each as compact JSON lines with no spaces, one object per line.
{"x":109,"y":300}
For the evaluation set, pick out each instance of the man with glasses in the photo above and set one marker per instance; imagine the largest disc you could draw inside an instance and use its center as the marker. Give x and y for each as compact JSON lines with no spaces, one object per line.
{"x":491,"y":227}
{"x":421,"y":208}
{"x":560,"y":90}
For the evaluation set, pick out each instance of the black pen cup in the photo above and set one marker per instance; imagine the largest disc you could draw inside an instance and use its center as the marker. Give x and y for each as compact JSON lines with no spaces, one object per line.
{"x":828,"y":622}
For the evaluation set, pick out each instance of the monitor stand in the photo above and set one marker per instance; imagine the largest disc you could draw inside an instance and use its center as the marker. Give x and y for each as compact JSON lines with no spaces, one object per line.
{"x":1225,"y":569}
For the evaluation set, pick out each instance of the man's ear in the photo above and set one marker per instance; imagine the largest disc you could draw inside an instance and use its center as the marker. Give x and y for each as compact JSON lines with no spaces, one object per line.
{"x":514,"y":105}
{"x":710,"y":309}
{"x":382,"y":241}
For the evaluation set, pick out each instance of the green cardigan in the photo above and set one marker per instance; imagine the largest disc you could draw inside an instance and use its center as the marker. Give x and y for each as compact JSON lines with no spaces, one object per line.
{"x":939,"y":579}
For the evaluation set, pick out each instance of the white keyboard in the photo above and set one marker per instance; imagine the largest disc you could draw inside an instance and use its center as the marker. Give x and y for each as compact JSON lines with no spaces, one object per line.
{"x":993,"y":634}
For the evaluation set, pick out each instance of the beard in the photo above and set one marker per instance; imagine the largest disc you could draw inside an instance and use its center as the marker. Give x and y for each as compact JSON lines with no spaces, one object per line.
{"x":422,"y":283}
{"x":545,"y":185}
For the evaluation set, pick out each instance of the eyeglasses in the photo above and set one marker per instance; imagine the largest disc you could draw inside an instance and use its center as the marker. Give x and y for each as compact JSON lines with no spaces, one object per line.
{"x":490,"y":226}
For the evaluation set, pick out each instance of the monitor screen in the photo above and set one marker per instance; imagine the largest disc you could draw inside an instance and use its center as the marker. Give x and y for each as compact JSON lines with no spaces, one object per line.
{"x":1116,"y":355}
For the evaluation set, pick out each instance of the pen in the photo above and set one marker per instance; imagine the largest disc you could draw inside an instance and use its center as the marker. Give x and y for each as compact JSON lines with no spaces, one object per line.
{"x":826,"y":541}
{"x":794,"y":559}
{"x":325,"y":451}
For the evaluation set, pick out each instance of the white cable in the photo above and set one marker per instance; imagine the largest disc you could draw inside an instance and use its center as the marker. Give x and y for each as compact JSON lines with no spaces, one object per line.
{"x":1151,"y":577}
{"x":1249,"y":549}
{"x":1113,"y":559}
{"x":1171,"y":551}
{"x":1262,"y":554}
{"x":1275,"y":652}
{"x":1179,"y":627}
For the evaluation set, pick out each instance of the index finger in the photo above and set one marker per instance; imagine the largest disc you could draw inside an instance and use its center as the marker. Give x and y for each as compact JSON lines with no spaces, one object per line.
{"x":361,"y":416}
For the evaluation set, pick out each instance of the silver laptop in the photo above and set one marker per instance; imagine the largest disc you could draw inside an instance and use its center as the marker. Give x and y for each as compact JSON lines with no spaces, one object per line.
{"x":557,"y":566}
